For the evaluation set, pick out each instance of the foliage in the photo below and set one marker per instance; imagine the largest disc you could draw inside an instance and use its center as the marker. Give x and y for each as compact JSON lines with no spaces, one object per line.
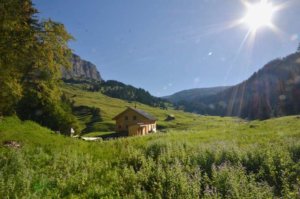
{"x":126,"y":92}
{"x":15,"y":44}
{"x":33,"y":53}
{"x":248,"y":160}
{"x":55,"y":115}
{"x":89,"y":115}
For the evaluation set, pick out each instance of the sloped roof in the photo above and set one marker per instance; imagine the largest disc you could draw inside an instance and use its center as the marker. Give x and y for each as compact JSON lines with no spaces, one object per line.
{"x":141,"y":112}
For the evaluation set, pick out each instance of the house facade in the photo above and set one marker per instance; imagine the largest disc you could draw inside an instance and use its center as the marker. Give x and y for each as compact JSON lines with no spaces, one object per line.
{"x":135,"y":122}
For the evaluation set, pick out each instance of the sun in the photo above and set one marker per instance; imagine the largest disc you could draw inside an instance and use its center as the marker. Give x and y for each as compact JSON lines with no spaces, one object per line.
{"x":259,"y":15}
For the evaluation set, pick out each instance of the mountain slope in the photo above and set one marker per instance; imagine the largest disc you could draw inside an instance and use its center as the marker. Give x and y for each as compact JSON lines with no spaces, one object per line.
{"x":272,"y":91}
{"x":193,"y":94}
{"x":120,"y":90}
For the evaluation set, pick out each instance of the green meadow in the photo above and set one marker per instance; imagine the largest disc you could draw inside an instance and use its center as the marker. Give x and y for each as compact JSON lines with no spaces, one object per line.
{"x":209,"y":157}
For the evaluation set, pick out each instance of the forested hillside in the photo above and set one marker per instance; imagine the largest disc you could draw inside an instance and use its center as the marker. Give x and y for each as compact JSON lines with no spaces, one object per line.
{"x":120,"y":90}
{"x":127,"y":92}
{"x":194,"y":94}
{"x":271,"y":92}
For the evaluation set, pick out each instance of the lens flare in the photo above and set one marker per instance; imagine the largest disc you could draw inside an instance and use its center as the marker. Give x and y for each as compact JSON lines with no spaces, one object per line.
{"x":259,"y":15}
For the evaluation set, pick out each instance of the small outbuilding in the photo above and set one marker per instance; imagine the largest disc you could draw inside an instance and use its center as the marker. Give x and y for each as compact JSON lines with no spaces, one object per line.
{"x":170,"y":118}
{"x":135,"y":122}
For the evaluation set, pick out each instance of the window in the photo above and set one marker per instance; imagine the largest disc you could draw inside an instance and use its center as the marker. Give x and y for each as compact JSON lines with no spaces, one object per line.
{"x":126,"y":126}
{"x":126,"y":117}
{"x":134,"y":117}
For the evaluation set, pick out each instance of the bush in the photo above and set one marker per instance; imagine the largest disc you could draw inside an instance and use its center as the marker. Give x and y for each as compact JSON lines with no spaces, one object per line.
{"x":55,"y":115}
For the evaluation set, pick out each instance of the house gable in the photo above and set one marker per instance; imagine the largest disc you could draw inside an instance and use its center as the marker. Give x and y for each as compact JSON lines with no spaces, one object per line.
{"x":141,"y":113}
{"x":133,"y":119}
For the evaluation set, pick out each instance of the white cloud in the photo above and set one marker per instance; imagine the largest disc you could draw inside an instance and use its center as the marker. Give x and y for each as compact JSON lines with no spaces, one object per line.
{"x":210,"y":54}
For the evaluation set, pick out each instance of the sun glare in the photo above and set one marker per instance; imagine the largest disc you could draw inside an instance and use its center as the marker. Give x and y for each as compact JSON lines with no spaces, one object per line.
{"x":259,"y":15}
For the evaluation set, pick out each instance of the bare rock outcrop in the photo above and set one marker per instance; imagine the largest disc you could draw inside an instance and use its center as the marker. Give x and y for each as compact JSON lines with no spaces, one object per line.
{"x":81,"y":70}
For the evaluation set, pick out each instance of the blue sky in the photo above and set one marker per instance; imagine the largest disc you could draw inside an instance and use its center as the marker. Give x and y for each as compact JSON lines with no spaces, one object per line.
{"x":165,"y":46}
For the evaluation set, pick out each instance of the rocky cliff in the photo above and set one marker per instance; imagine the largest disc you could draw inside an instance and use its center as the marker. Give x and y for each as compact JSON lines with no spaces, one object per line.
{"x":82,"y":70}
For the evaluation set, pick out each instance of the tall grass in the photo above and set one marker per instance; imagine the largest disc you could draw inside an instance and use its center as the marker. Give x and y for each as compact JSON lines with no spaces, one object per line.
{"x":243,"y":162}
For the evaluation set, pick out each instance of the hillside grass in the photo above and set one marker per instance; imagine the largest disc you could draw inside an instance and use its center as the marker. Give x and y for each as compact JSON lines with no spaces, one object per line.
{"x":259,"y":159}
{"x":110,"y":107}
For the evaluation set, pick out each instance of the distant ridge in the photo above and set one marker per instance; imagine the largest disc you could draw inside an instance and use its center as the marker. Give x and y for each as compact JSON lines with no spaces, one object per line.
{"x":273,"y":91}
{"x":193,"y":94}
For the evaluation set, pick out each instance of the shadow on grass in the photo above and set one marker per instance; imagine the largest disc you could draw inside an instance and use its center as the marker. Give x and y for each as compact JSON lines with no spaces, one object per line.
{"x":114,"y":135}
{"x":92,"y":114}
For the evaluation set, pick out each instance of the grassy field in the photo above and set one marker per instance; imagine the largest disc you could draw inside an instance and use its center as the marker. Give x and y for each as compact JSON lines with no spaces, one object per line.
{"x":214,"y":158}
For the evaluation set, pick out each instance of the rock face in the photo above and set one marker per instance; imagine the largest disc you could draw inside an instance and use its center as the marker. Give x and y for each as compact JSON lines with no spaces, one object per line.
{"x":82,"y":70}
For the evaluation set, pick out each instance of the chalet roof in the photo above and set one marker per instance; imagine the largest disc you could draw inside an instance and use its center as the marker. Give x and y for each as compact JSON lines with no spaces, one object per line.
{"x":141,"y":112}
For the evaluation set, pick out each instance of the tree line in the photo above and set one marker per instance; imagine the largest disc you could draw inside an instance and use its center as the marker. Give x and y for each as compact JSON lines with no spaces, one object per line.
{"x":116,"y":89}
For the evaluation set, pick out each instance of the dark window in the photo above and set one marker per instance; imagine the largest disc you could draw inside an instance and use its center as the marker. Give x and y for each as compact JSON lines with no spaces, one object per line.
{"x":134,"y":117}
{"x":119,"y":126}
{"x":126,"y":126}
{"x":126,"y":117}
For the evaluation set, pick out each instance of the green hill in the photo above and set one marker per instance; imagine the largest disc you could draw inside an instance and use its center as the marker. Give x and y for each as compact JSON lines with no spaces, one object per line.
{"x":224,"y":159}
